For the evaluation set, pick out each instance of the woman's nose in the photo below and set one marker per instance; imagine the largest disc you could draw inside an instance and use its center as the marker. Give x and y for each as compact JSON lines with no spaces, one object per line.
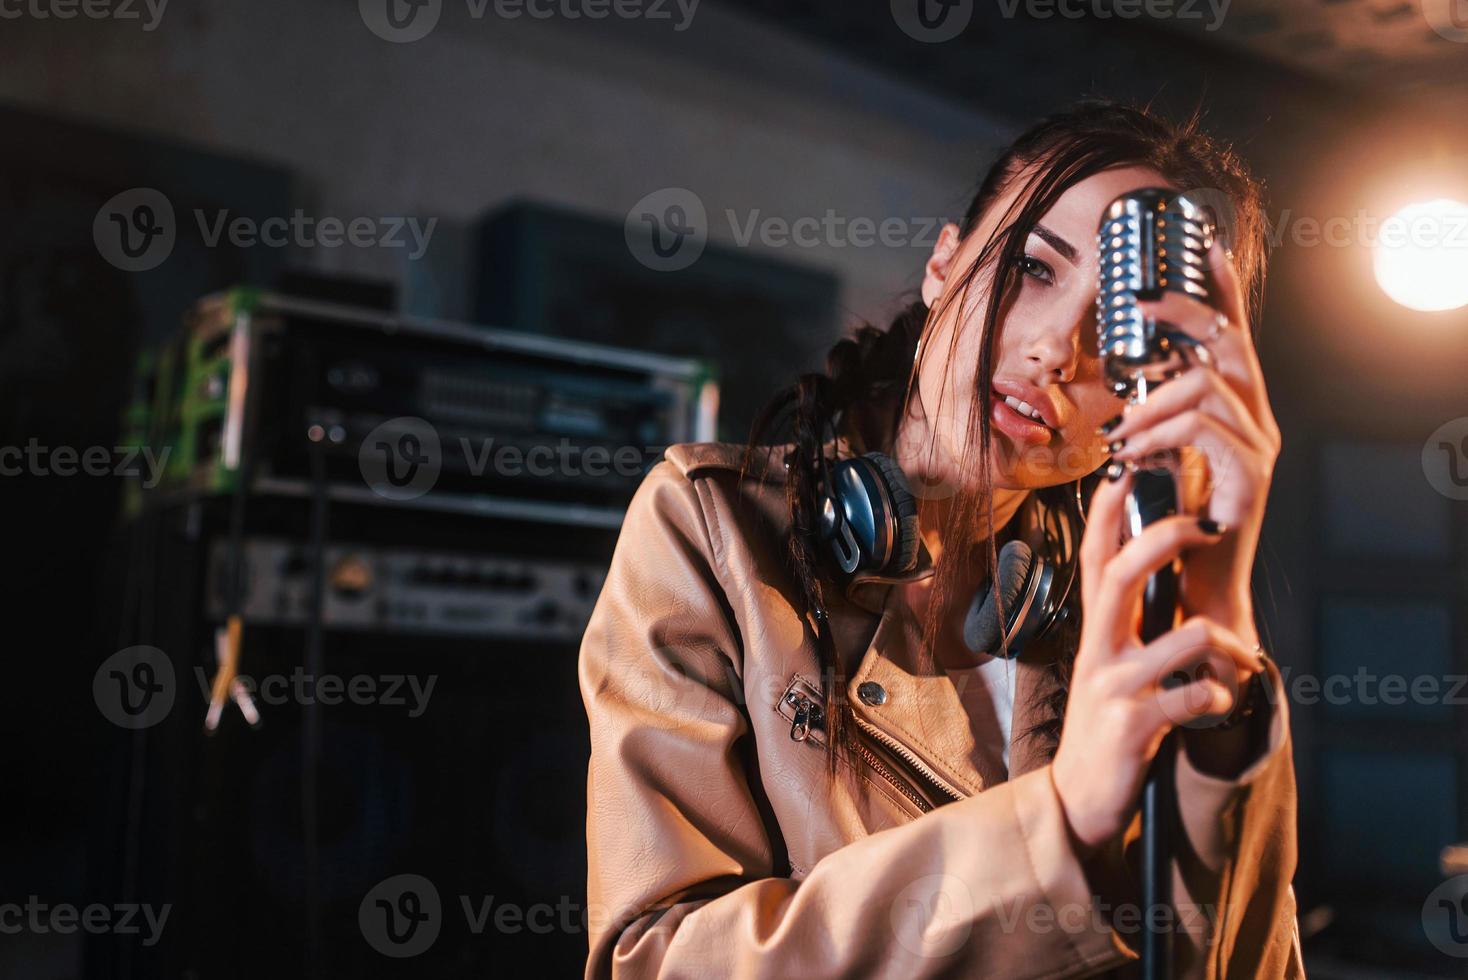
{"x":1055,"y":352}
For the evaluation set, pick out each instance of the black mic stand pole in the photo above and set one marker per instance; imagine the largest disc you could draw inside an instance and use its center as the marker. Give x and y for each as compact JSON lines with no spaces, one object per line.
{"x":1154,"y":495}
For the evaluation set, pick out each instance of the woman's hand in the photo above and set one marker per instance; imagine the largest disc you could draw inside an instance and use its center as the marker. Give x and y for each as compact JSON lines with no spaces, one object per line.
{"x":1223,"y":416}
{"x":1119,"y":709}
{"x":1219,"y":418}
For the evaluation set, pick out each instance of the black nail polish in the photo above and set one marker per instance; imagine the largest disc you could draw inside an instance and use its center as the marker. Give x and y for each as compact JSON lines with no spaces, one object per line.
{"x":1211,"y":527}
{"x":1117,"y":446}
{"x":1107,"y":427}
{"x":1114,"y":471}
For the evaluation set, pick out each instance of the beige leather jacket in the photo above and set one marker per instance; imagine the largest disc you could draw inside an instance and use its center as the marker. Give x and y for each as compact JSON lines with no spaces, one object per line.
{"x":719,"y":847}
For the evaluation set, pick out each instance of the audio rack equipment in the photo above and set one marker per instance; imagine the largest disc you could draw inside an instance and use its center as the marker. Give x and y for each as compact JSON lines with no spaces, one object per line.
{"x":410,"y":590}
{"x":523,"y":426}
{"x":292,"y":535}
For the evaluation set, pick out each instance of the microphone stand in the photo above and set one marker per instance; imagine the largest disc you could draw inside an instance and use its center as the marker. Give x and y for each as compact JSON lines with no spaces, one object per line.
{"x":1154,"y":495}
{"x":1152,"y":241}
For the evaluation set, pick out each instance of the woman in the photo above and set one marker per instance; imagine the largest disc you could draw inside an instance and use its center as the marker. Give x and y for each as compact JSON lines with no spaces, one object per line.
{"x":799,"y":775}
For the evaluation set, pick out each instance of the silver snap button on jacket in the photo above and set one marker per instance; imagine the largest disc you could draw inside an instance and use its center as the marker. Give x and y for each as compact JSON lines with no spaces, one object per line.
{"x":872,"y":693}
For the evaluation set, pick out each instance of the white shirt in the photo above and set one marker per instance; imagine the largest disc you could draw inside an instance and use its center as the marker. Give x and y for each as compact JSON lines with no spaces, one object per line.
{"x":997,"y":676}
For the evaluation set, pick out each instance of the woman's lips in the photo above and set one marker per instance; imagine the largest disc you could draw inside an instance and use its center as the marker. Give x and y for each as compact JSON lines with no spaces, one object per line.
{"x":1015,"y":425}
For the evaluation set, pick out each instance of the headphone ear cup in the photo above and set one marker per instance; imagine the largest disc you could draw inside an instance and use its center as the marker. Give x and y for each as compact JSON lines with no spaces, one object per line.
{"x":982,"y":627}
{"x":904,"y":521}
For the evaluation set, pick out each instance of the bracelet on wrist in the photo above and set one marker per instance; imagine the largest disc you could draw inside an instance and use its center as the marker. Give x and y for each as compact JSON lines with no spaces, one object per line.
{"x":1249,"y":700}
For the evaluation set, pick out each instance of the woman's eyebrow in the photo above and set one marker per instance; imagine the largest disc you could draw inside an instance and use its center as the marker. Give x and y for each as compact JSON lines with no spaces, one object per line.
{"x":1065,"y":248}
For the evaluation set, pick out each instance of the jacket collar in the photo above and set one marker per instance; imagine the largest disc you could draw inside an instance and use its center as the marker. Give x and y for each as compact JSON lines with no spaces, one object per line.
{"x":923,"y":707}
{"x":923,"y":710}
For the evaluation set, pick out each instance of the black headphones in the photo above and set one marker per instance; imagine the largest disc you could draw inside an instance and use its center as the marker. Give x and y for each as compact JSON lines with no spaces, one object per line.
{"x":868,"y":524}
{"x":868,"y":515}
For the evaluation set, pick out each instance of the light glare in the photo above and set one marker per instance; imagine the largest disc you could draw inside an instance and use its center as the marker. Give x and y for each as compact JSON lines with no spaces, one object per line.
{"x":1421,"y":256}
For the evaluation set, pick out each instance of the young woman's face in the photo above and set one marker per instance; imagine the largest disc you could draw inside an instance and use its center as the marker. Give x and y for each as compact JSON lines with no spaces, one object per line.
{"x":1048,"y":395}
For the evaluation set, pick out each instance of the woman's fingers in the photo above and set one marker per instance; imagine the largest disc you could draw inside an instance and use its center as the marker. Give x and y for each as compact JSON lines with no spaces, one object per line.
{"x":1197,"y":641}
{"x":1194,"y":705}
{"x":1186,"y":667}
{"x":1225,"y":337}
{"x":1114,"y":598}
{"x":1192,"y":390}
{"x":1237,"y":476}
{"x":1230,"y":339}
{"x":1192,"y":427}
{"x":1103,"y":525}
{"x":1227,"y":290}
{"x":1227,"y":340}
{"x":1197,"y":318}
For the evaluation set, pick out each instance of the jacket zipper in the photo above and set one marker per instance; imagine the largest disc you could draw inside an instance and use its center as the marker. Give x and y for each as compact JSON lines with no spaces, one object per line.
{"x":809,"y":714}
{"x":892,"y":745}
{"x":896,"y":781}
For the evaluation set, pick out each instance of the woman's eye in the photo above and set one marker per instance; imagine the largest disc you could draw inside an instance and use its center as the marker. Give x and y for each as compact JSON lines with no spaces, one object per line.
{"x":1031,"y":266}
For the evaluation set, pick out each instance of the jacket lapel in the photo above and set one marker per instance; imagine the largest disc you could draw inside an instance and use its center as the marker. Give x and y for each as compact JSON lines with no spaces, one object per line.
{"x":915,"y":704}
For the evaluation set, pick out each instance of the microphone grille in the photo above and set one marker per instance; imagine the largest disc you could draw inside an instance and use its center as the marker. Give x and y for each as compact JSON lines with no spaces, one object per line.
{"x":1150,"y":241}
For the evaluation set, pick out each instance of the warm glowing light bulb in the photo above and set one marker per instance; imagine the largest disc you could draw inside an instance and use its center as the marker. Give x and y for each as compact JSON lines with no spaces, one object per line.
{"x":1421,"y":255}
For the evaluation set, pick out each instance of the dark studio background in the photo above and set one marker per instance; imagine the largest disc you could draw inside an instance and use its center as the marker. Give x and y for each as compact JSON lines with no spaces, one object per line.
{"x":529,"y":142}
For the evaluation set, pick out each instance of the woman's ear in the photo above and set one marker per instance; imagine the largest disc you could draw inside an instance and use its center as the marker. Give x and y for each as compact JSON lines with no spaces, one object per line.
{"x":935,"y":273}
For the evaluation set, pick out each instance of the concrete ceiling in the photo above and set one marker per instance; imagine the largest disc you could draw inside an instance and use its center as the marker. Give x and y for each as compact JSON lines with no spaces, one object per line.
{"x":1405,"y":47}
{"x":1025,"y":56}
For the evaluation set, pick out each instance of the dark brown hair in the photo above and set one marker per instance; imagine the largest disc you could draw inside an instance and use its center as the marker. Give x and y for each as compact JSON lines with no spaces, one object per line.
{"x":872,"y":371}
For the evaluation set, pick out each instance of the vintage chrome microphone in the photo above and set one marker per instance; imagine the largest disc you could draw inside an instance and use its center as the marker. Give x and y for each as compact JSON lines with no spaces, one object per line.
{"x":1152,"y":241}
